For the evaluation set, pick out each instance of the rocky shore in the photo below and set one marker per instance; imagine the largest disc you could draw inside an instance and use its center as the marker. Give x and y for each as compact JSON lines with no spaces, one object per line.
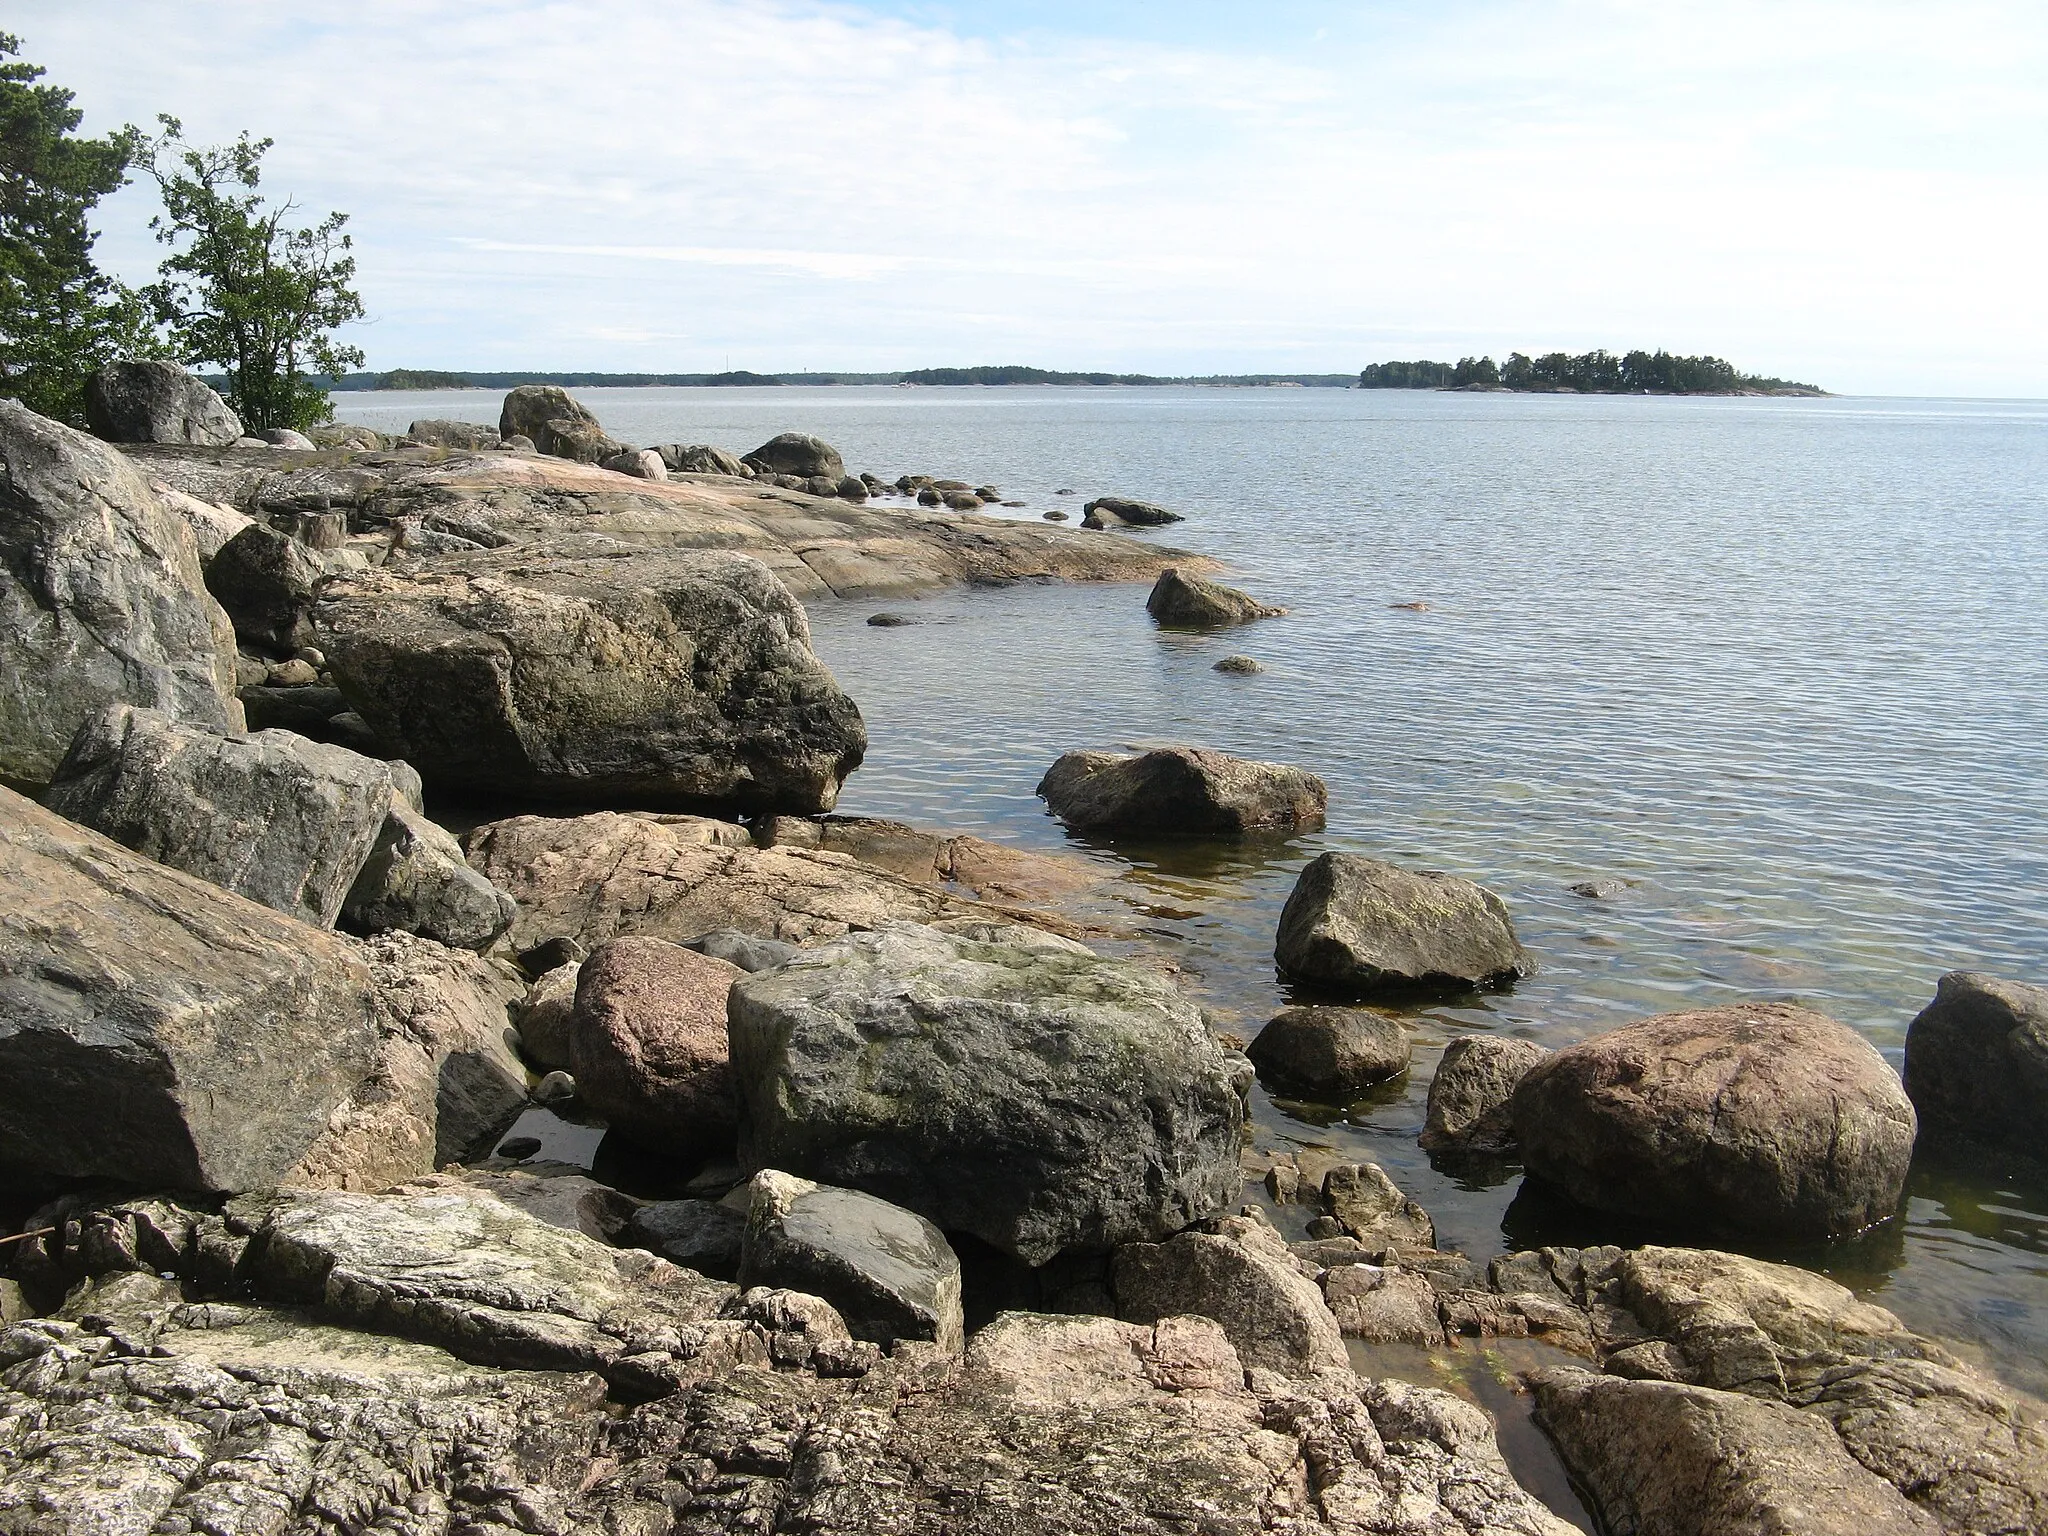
{"x":935,"y":1204}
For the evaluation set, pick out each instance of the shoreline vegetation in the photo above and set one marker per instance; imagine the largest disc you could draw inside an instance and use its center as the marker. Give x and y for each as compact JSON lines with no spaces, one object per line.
{"x":1598,"y":372}
{"x":432,"y":378}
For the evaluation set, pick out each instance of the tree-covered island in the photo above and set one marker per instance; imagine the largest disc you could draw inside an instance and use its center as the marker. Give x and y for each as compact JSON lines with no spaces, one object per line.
{"x":1598,"y":372}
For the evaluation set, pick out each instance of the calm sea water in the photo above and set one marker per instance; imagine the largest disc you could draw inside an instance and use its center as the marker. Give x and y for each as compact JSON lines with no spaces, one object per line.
{"x":1781,"y":665}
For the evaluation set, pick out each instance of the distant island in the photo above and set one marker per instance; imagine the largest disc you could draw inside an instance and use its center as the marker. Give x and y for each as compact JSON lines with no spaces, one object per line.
{"x":1008,"y":373}
{"x":1587,"y":373}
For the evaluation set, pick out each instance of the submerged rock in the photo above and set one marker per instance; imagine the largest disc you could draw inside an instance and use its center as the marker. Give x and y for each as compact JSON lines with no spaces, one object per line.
{"x":1180,"y":601}
{"x":1471,"y":1098}
{"x":1977,"y":1064}
{"x":1179,"y":790}
{"x":1366,"y":926}
{"x":101,"y":599}
{"x":147,"y":401}
{"x":1760,"y":1118}
{"x":1329,"y":1053}
{"x":1014,"y":1086}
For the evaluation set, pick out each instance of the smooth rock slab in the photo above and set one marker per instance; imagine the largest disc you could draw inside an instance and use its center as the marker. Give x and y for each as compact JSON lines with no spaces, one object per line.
{"x":1016,"y":1087}
{"x":1181,"y":790}
{"x":1364,"y":926}
{"x":1977,"y":1064}
{"x":890,"y":1273}
{"x":1763,"y":1118}
{"x":271,"y":816}
{"x":158,"y":1030}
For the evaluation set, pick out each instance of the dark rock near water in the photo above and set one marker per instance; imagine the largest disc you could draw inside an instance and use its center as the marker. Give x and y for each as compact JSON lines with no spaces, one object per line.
{"x":1181,"y":790}
{"x":1471,"y":1098}
{"x":1329,"y":1054}
{"x":529,"y":409}
{"x":101,"y":599}
{"x":798,"y":453}
{"x":1013,"y":1086}
{"x":584,"y":441}
{"x":1242,"y":665}
{"x":1761,"y":1118}
{"x":157,"y":402}
{"x":1977,"y":1065}
{"x":890,"y":620}
{"x":1180,"y":601}
{"x":702,"y":459}
{"x":1115,"y":511}
{"x":1364,"y":926}
{"x":1367,"y":1205}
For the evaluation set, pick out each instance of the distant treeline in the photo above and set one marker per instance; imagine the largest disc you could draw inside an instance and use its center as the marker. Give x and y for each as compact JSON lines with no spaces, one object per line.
{"x":1588,"y":373}
{"x":433,"y":378}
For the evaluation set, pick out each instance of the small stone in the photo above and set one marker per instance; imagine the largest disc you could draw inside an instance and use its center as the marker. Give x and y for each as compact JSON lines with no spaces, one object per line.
{"x":1057,"y":516}
{"x":519,"y":1148}
{"x":1368,"y":1205}
{"x":890,"y":620}
{"x":1244,"y":665}
{"x":555,"y":1088}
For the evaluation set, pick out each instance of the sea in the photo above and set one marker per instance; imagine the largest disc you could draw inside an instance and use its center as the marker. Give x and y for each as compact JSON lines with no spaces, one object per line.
{"x":1772,"y":674}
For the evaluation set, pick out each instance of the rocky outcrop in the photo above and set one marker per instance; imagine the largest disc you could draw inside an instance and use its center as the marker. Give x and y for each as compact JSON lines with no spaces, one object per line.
{"x":890,"y":1273}
{"x":1977,"y":1065}
{"x":101,"y":599}
{"x":155,"y":1029}
{"x":1181,"y":790}
{"x":1119,"y":512}
{"x":1364,"y":926}
{"x":1329,"y":1054}
{"x":1471,"y":1097}
{"x":1764,"y":1118}
{"x":1011,"y":1085}
{"x":271,"y":816}
{"x":417,"y":880}
{"x":647,"y":1046}
{"x":156,"y":402}
{"x":798,"y":453}
{"x":530,"y":408}
{"x":598,"y":672}
{"x":1181,"y":601}
{"x":1242,"y":1276}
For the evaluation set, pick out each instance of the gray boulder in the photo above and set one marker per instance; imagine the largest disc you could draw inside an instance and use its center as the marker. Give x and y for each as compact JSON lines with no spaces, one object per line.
{"x":101,"y":599}
{"x":1181,"y":790}
{"x":702,"y":459}
{"x":1332,"y":1054}
{"x":1118,"y":512}
{"x":157,"y":402}
{"x":1242,"y":1276}
{"x":798,"y":453}
{"x":157,"y":1030}
{"x":285,"y":437}
{"x":1471,"y":1098}
{"x":890,"y":1273}
{"x":1365,"y":926}
{"x":1761,"y":1118}
{"x":1180,"y":601}
{"x":742,"y":949}
{"x":640,"y":463}
{"x":545,"y":1017}
{"x":596,"y":672}
{"x":1014,"y":1086}
{"x":1977,"y":1064}
{"x":416,"y":880}
{"x":1370,"y":1207}
{"x":584,"y":441}
{"x":267,"y":583}
{"x":528,"y":410}
{"x":343,"y":434}
{"x":271,"y":816}
{"x":465,"y":435}
{"x":702,"y":1235}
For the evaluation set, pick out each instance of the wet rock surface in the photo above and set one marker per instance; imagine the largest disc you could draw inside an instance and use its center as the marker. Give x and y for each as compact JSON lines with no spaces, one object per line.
{"x":1181,"y":790}
{"x":1329,"y":1054}
{"x":1977,"y":1065}
{"x":1364,"y":926}
{"x":1183,"y":601}
{"x":1471,"y":1098}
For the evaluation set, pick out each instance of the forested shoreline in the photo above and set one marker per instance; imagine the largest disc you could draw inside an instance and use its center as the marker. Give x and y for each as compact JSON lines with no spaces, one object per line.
{"x":1598,"y":372}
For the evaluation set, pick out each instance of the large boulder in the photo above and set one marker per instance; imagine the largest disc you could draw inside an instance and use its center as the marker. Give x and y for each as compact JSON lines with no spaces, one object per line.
{"x":529,"y":409}
{"x":1121,"y":512}
{"x":1011,"y":1085}
{"x":798,"y":453}
{"x":267,"y":582}
{"x":1181,"y":790}
{"x":156,"y":402}
{"x":647,"y":1046}
{"x":1329,"y":1054}
{"x":416,"y":880}
{"x":1180,"y":601}
{"x":1363,"y":926}
{"x":271,"y":816}
{"x":1761,"y":1118}
{"x":1471,"y":1098}
{"x":1977,"y":1064}
{"x":101,"y":599}
{"x":605,"y":673}
{"x":1243,"y":1276}
{"x":890,"y":1273}
{"x":155,"y":1029}
{"x":702,"y":459}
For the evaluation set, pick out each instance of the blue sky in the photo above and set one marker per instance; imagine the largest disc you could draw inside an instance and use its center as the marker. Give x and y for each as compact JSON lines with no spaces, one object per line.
{"x":1852,"y":193}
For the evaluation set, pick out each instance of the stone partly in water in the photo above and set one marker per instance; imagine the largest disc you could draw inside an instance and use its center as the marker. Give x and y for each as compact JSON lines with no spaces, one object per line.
{"x":798,"y":453}
{"x":890,"y":1273}
{"x":1368,"y":1205}
{"x":1764,"y":1119}
{"x":1977,"y":1065}
{"x":598,"y":673}
{"x":1181,"y":601}
{"x":157,"y":402}
{"x":101,"y":599}
{"x":155,"y":1029}
{"x":1329,"y":1054}
{"x":1010,"y":1085}
{"x":1181,"y":790}
{"x":1242,"y":666}
{"x":1471,"y":1098}
{"x":1118,"y":512}
{"x":647,"y":1045}
{"x":270,"y":816}
{"x":1364,"y":926}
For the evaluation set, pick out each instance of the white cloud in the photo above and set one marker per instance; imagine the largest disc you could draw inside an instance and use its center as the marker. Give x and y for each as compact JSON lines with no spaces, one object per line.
{"x":1849,"y":191}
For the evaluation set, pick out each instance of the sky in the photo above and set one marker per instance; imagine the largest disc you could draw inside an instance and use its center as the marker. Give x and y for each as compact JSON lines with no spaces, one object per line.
{"x":1848,"y":192}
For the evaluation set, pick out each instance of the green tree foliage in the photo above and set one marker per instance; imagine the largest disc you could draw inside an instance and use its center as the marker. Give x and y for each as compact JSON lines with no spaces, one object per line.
{"x":1588,"y":373}
{"x":246,"y":290}
{"x":60,"y":317}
